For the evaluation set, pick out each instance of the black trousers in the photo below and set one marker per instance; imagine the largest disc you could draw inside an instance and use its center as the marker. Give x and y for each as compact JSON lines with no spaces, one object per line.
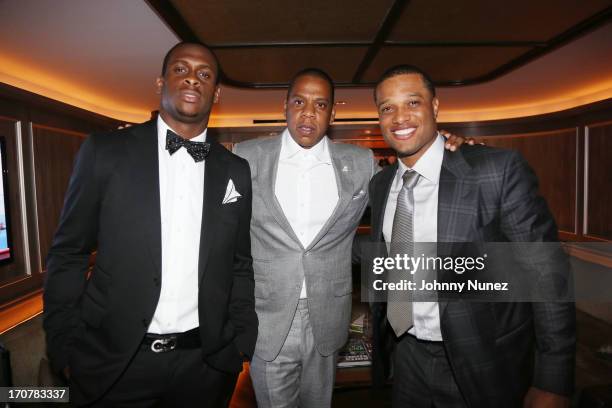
{"x":178,"y":378}
{"x":423,"y":377}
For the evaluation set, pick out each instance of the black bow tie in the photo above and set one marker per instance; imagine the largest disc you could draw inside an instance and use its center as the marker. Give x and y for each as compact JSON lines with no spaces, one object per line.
{"x":197,"y":150}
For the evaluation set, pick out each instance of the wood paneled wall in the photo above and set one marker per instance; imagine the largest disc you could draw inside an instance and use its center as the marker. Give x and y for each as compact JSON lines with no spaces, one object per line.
{"x":50,"y":134}
{"x":552,"y":155}
{"x":598,"y":181}
{"x":54,"y":153}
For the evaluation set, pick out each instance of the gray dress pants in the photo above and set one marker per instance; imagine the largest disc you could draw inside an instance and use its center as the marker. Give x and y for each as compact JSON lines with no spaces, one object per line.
{"x":299,"y":376}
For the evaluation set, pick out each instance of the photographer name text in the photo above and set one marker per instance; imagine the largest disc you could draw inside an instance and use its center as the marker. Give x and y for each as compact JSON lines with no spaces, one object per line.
{"x":407,"y":285}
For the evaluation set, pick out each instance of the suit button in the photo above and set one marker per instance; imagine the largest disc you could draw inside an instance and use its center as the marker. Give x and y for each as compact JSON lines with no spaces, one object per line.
{"x":145,"y":323}
{"x":307,"y":253}
{"x":156,"y":281}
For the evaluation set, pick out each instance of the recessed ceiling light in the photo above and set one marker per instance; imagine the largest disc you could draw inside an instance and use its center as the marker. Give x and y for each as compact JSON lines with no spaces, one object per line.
{"x":341,"y":103}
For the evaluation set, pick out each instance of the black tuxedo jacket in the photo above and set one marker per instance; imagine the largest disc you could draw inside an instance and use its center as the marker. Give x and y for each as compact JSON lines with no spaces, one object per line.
{"x":95,"y":325}
{"x":496,"y":350}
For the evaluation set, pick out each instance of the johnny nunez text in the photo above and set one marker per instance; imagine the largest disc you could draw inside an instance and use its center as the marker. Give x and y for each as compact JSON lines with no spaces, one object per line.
{"x":472,"y":284}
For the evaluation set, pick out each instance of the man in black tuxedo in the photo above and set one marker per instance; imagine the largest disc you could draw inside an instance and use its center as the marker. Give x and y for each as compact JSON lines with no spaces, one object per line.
{"x":167,"y":314}
{"x":460,"y":353}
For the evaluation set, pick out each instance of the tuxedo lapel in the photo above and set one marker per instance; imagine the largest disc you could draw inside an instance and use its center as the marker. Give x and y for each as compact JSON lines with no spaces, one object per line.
{"x":216,"y":178}
{"x":268,"y":165}
{"x":145,"y":182}
{"x":343,"y":171}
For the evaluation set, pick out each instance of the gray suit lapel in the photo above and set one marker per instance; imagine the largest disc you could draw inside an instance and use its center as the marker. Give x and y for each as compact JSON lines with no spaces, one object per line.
{"x":457,"y":191}
{"x":343,"y":170}
{"x":268,"y":165}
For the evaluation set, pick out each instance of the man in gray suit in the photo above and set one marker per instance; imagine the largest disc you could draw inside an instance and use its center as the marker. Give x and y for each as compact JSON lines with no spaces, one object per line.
{"x":309,"y":196}
{"x":461,"y":353}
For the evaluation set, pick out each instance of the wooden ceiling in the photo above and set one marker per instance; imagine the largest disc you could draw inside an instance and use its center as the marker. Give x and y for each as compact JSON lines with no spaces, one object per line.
{"x":104,"y":57}
{"x":261,"y":44}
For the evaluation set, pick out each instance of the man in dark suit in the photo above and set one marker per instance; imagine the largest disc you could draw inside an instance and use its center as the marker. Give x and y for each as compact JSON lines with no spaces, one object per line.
{"x":167,"y":314}
{"x":461,"y":353}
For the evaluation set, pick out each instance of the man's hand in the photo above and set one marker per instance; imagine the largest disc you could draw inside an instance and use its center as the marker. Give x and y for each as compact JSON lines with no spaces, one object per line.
{"x":453,"y":142}
{"x":537,"y":398}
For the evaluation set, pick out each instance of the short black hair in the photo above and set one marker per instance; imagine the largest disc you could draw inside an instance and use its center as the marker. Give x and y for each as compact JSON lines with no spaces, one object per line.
{"x":407,"y":69}
{"x":315,"y":72}
{"x":183,"y":43}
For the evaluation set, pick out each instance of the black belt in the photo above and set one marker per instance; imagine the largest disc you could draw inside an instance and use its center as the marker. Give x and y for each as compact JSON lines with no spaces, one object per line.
{"x":161,"y":343}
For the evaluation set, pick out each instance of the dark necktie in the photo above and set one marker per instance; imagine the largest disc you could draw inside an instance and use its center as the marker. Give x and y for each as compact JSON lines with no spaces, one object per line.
{"x":197,"y":150}
{"x":399,"y":307}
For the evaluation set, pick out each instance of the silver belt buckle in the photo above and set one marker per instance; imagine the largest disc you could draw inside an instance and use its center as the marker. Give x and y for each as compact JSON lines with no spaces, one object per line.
{"x":163,"y":345}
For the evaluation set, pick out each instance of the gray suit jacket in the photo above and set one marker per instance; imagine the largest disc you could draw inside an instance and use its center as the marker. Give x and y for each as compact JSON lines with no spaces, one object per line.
{"x":280,"y":261}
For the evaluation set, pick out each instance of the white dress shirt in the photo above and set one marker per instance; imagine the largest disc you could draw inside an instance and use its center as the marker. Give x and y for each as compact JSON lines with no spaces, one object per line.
{"x":306,"y":188}
{"x":181,"y":193}
{"x":426,"y":315}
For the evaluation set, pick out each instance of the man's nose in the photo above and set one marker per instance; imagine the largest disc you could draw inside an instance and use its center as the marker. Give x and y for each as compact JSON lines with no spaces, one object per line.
{"x":192,"y":80}
{"x":401,"y":115}
{"x":309,"y":110}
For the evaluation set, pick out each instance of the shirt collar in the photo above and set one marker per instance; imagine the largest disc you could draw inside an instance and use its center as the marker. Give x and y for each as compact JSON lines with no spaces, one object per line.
{"x":430,"y":163}
{"x":162,"y":129}
{"x":289,"y":149}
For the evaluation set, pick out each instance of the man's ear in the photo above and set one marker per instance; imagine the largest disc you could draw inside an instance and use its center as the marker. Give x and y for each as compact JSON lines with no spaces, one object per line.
{"x":159,"y":84}
{"x":217,"y":94}
{"x":434,"y":104}
{"x":333,"y":115}
{"x":285,"y":109}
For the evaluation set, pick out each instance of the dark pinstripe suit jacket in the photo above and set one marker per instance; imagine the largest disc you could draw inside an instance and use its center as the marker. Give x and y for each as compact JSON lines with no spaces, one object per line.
{"x":496,"y":350}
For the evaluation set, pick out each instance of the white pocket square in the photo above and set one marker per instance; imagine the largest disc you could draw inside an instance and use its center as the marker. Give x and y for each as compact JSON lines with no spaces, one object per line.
{"x":231,"y":194}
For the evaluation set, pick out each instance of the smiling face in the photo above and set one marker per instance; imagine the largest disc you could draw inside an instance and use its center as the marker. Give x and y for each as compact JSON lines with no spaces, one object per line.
{"x":407,"y":113}
{"x":309,"y":110}
{"x":189,"y":86}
